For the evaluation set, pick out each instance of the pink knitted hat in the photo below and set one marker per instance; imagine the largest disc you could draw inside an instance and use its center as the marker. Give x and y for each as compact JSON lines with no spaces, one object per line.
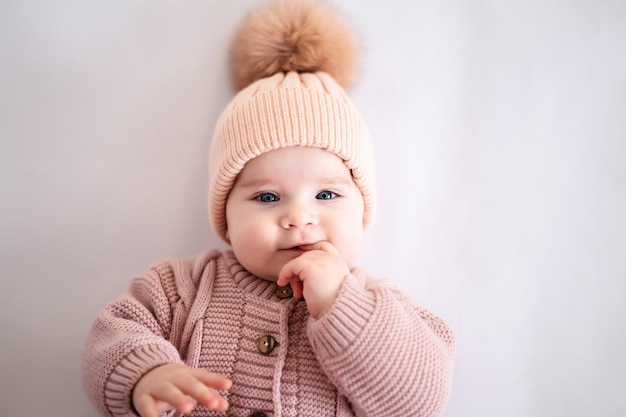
{"x":292,"y":57}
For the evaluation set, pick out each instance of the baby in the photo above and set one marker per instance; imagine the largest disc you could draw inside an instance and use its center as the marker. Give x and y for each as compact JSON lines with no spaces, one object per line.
{"x":283,"y":324}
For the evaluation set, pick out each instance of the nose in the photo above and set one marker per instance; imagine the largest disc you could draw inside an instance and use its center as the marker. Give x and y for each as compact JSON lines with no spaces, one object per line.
{"x":298,"y":215}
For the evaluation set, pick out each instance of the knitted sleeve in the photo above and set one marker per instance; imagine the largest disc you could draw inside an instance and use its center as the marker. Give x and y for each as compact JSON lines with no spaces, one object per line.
{"x":139,"y":331}
{"x":388,"y":356}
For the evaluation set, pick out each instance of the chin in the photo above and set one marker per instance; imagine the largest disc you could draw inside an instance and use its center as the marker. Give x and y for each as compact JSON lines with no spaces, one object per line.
{"x":267,"y":277}
{"x":271,"y":275}
{"x":271,"y":267}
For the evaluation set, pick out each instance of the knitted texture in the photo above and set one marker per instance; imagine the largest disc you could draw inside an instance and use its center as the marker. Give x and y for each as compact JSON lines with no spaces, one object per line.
{"x":373,"y":354}
{"x":288,"y":109}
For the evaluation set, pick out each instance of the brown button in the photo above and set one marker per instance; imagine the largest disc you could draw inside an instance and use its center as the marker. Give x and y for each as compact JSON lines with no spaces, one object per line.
{"x":284,"y":292}
{"x":266,"y":344}
{"x":258,"y":414}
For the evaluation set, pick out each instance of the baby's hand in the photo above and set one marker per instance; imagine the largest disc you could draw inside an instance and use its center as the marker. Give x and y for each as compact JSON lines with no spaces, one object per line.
{"x":181,"y":387}
{"x":317,"y":275}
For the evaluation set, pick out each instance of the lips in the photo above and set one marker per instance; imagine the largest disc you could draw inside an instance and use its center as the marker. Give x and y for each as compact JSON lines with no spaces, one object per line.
{"x":297,"y":247}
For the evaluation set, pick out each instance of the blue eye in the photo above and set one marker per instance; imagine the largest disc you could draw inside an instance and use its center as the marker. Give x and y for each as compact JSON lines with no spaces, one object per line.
{"x":325,"y":195}
{"x":267,"y":197}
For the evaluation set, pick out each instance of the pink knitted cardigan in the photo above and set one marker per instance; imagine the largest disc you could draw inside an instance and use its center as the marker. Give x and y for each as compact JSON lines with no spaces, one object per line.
{"x":375,"y":353}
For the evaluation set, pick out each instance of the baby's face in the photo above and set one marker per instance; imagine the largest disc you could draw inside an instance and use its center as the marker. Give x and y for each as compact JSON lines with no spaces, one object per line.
{"x":290,"y":197}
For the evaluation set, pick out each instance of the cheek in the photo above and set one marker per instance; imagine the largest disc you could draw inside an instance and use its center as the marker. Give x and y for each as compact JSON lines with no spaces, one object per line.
{"x":244,"y":245}
{"x":249,"y":233}
{"x":349,"y":237}
{"x":237,"y":233}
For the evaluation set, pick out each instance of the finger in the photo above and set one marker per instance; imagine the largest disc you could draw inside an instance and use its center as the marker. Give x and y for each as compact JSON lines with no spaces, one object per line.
{"x":290,"y":274}
{"x":322,"y":245}
{"x":282,"y":280}
{"x":296,"y":286}
{"x":173,"y":395}
{"x":199,"y":389}
{"x":188,"y":405}
{"x":290,"y":270}
{"x":212,"y":379}
{"x":211,"y":399}
{"x":146,"y":406}
{"x":287,"y":276}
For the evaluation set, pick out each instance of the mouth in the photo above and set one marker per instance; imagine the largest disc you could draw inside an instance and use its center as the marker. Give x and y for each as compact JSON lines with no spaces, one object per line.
{"x":297,"y":247}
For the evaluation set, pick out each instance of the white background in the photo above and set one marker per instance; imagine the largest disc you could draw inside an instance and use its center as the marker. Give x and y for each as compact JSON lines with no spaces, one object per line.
{"x":500,"y":132}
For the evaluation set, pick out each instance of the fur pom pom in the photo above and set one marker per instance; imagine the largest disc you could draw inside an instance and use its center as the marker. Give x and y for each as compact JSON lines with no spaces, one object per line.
{"x":293,"y":35}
